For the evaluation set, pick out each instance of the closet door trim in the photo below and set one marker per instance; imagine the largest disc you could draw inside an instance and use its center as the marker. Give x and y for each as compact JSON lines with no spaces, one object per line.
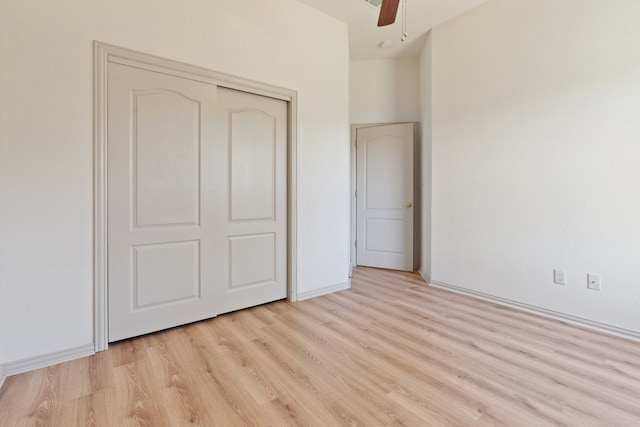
{"x":103,"y":54}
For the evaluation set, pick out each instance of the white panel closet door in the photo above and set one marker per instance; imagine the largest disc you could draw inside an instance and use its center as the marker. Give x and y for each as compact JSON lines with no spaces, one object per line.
{"x":385,"y":196}
{"x":254,"y":129}
{"x":161,"y":209}
{"x":197,"y":205}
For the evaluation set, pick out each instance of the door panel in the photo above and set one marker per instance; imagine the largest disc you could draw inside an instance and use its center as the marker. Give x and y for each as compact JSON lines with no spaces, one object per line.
{"x":384,"y":235}
{"x":243,"y":251}
{"x":385,"y":196}
{"x":252,"y":141}
{"x":160,"y":135}
{"x":256,"y":226}
{"x":165,"y":142}
{"x":383,"y":167}
{"x":176,"y":265}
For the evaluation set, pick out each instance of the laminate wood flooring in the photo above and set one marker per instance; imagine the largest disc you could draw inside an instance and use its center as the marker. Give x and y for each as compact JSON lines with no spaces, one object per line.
{"x":391,"y":351}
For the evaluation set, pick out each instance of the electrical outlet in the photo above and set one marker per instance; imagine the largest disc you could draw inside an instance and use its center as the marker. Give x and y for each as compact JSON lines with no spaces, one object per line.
{"x":559,"y":277}
{"x":593,"y":282}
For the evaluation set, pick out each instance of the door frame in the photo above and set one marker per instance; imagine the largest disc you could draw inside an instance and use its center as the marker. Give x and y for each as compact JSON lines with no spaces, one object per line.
{"x":417,"y":185}
{"x":103,"y":54}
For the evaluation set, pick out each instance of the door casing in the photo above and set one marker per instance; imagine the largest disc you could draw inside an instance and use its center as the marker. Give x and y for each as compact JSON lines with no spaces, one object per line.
{"x":103,"y":54}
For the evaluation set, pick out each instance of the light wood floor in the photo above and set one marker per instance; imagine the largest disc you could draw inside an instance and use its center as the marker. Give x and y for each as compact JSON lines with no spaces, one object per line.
{"x":389,"y":352}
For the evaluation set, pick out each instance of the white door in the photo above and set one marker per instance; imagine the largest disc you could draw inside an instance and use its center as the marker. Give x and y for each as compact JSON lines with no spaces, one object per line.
{"x":384,"y":194}
{"x":173,"y":195}
{"x":254,"y":131}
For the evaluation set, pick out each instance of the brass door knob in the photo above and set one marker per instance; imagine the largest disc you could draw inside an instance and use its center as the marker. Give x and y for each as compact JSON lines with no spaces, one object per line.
{"x":409,"y":204}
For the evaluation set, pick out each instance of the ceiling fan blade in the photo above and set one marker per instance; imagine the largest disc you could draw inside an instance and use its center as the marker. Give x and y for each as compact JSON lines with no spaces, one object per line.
{"x":388,"y":12}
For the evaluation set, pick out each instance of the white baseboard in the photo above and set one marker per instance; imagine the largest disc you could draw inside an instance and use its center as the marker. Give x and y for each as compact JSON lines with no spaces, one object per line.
{"x":2,"y":377}
{"x":324,"y":291}
{"x":574,"y":320}
{"x":424,"y":275}
{"x":54,"y":358}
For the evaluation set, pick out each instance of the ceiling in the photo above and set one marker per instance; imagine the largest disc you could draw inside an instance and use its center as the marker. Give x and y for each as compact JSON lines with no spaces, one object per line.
{"x":365,"y":36}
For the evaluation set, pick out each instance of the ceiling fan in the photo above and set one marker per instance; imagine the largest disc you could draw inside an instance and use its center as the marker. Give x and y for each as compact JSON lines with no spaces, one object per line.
{"x":388,"y":12}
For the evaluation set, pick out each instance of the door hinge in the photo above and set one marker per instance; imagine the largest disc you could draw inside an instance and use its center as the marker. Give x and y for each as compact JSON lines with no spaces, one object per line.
{"x":355,"y":194}
{"x":355,"y":243}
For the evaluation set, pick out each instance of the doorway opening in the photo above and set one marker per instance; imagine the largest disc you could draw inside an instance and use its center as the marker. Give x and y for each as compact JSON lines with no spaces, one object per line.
{"x":385,"y":195}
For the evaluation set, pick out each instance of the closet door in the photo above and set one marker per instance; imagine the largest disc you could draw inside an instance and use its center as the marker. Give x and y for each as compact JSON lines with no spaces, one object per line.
{"x":161,"y":207}
{"x":254,"y":129}
{"x":196,"y":200}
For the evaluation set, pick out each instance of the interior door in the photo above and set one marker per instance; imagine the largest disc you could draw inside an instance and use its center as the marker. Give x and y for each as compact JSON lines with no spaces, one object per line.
{"x":254,"y":131}
{"x":384,"y":194}
{"x":160,"y":201}
{"x":196,"y":200}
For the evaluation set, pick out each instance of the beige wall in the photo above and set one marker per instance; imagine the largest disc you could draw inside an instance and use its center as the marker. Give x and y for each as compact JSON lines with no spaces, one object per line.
{"x":535,"y":133}
{"x":384,"y":91}
{"x":46,"y":289}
